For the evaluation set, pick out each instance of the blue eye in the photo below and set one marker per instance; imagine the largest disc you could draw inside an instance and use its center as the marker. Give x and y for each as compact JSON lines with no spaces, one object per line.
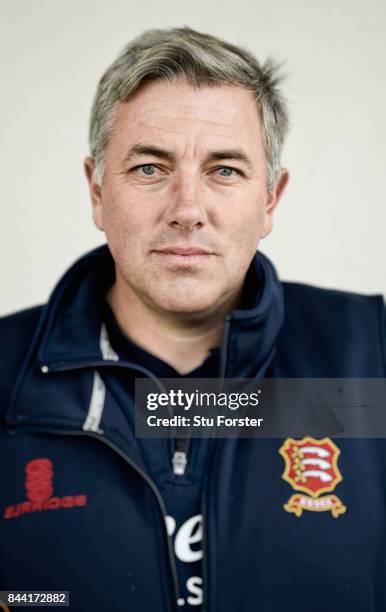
{"x":225,"y":171}
{"x":148,"y":169}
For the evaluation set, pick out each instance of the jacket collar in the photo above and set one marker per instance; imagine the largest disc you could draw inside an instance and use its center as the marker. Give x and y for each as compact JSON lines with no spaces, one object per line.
{"x":73,"y":333}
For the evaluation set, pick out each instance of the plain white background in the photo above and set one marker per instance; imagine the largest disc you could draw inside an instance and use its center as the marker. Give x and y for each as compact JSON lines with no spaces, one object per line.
{"x":329,"y":229}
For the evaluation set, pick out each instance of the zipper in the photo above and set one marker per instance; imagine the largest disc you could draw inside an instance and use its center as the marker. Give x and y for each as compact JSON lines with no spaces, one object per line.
{"x":180,"y":456}
{"x":139,"y":471}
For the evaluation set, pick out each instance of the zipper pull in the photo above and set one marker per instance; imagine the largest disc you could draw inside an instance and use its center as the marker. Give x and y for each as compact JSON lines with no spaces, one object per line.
{"x":179,"y":462}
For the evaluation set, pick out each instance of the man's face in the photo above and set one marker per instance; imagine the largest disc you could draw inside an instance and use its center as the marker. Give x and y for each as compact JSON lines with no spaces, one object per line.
{"x":184,"y":199}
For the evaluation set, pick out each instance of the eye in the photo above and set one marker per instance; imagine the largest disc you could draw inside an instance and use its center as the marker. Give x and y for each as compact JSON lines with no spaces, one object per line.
{"x":227,"y":172}
{"x":146,"y":169}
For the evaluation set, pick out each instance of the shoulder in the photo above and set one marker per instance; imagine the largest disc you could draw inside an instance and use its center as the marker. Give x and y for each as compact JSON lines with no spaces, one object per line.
{"x":322,"y":300}
{"x":16,"y":332}
{"x":18,"y":325}
{"x":346,"y":327}
{"x":333,"y":307}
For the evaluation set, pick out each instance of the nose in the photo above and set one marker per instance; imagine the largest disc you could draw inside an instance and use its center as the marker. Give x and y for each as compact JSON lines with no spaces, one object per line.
{"x":186,"y":207}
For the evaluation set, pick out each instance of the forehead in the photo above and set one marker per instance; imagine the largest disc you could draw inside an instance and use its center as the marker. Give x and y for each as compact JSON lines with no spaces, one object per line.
{"x":176,"y":111}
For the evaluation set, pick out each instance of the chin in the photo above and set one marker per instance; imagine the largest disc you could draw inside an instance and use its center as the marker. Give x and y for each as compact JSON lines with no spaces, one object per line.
{"x":193,"y":305}
{"x":189,"y":307}
{"x":186,"y":296}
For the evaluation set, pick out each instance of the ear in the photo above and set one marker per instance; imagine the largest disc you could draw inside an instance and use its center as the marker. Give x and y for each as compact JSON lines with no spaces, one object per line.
{"x":95,"y":193}
{"x":273,"y":199}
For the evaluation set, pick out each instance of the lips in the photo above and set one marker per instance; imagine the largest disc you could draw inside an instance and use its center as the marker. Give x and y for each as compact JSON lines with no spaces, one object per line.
{"x":183,"y":251}
{"x":183,"y":257}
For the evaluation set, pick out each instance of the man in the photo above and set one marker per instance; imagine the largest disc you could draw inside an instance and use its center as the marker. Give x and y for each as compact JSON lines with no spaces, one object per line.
{"x":184,"y":176}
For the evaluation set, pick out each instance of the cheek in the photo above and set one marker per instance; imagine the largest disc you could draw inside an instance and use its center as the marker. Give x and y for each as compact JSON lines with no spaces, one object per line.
{"x":125,"y":223}
{"x":245,"y":225}
{"x":243,"y":230}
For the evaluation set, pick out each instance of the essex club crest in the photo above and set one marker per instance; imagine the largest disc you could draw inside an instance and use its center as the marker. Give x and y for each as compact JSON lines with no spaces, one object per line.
{"x":311,"y":467}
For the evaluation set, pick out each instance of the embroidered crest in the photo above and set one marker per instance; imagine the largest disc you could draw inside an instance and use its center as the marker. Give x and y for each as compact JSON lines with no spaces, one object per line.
{"x":311,"y":466}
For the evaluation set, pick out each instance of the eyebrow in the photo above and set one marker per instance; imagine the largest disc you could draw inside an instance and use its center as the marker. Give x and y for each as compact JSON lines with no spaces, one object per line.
{"x":232,"y":154}
{"x":141,"y":150}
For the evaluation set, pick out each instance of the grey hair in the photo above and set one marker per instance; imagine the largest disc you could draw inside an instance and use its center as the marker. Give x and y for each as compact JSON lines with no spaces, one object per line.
{"x":200,"y":60}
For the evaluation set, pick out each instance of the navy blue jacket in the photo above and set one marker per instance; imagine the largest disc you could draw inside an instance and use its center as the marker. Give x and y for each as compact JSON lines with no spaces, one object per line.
{"x":78,"y":511}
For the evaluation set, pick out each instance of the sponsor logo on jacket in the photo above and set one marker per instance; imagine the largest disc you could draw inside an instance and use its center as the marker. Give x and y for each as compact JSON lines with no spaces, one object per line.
{"x":311,"y":467}
{"x":40,"y":491}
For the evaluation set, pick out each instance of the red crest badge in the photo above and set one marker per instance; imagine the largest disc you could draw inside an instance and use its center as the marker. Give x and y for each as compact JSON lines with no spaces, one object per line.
{"x":311,"y":466}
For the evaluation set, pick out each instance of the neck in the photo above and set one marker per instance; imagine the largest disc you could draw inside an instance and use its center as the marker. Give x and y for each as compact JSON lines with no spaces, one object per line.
{"x":181,"y":341}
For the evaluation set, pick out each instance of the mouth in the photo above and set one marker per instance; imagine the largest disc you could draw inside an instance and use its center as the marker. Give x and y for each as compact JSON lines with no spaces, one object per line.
{"x":176,"y":250}
{"x":183,"y":255}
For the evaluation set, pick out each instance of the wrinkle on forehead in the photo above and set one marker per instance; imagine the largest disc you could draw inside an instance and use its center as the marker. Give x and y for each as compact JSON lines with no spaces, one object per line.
{"x":187,"y":109}
{"x":160,"y":116}
{"x":225,"y":110}
{"x":188,"y":113}
{"x":182,"y":119}
{"x":194,"y":120}
{"x":182,"y":125}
